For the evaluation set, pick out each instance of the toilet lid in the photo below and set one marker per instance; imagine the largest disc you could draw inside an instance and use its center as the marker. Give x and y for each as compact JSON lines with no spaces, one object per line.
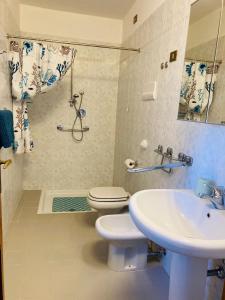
{"x":109,"y":193}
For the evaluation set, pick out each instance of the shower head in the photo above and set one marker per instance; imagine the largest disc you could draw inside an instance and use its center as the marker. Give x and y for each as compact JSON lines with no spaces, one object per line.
{"x":81,"y":93}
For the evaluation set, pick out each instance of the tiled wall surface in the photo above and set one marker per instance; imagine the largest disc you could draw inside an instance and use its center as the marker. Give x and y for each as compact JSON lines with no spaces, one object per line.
{"x":156,"y":121}
{"x":12,"y":177}
{"x":57,"y":161}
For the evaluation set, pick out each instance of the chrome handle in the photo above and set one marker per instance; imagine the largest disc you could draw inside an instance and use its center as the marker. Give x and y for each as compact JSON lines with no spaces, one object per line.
{"x":218,"y":193}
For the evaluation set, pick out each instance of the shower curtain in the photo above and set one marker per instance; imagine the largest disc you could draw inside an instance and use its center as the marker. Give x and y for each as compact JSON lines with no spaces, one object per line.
{"x":35,"y":68}
{"x":198,"y":85}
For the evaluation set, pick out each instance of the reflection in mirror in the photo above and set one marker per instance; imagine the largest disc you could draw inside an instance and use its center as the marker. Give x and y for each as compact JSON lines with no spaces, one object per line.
{"x":216,"y":112}
{"x":200,"y":73}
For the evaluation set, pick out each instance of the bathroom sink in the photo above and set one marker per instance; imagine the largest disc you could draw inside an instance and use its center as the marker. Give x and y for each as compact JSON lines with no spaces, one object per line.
{"x":190,"y":227}
{"x":180,"y":221}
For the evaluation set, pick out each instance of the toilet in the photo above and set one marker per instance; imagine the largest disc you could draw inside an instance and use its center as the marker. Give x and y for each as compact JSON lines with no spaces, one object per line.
{"x":128,"y":247}
{"x":108,"y":198}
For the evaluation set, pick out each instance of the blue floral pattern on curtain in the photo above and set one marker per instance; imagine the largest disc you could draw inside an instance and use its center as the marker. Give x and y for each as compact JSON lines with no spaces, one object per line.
{"x":198,"y":85}
{"x":35,"y":68}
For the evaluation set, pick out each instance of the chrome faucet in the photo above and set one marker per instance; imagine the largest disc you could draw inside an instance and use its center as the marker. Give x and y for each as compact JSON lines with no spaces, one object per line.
{"x":217,"y":197}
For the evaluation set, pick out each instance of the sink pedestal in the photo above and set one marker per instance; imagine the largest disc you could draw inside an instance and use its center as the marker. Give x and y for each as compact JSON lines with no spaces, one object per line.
{"x":187,"y":277}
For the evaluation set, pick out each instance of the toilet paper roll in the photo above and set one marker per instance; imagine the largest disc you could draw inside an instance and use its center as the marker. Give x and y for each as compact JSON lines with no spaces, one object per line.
{"x":130,"y":163}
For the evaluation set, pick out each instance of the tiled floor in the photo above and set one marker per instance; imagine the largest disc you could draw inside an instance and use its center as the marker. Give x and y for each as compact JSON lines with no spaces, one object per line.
{"x":60,"y":257}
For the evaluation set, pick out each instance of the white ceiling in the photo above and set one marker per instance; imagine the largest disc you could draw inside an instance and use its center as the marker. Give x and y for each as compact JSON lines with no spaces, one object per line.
{"x":103,"y":8}
{"x":203,"y":7}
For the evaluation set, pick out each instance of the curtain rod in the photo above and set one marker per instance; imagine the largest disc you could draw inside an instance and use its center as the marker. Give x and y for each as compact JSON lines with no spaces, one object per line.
{"x":72,"y":43}
{"x":205,"y":61}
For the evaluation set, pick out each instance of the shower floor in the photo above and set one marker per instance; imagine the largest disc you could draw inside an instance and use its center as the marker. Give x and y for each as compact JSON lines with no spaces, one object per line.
{"x":63,"y":201}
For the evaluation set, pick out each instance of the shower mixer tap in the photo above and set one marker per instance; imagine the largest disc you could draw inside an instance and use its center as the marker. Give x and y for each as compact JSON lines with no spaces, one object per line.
{"x":77,"y":129}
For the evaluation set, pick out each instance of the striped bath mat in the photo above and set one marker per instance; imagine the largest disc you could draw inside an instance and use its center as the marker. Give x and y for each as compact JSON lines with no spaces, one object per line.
{"x":70,"y":204}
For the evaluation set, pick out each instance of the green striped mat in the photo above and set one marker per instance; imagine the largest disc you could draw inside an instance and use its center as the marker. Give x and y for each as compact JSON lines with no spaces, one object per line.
{"x":70,"y":204}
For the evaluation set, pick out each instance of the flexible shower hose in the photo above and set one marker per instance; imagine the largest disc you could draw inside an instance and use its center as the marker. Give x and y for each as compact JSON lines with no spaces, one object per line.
{"x":78,"y":118}
{"x":78,"y":112}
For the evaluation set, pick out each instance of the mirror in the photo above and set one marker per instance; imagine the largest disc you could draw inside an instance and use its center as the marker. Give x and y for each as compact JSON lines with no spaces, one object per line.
{"x":201,"y":99}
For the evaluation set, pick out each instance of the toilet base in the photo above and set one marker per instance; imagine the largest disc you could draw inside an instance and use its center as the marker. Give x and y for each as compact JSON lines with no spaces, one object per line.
{"x":128,"y":256}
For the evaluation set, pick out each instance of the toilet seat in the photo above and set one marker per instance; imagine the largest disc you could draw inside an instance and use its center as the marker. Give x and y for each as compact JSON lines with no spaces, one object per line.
{"x":104,"y":194}
{"x":101,"y":198}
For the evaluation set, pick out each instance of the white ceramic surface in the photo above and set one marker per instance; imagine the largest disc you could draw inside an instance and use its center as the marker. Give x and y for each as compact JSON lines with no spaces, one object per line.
{"x":107,"y":205}
{"x":188,"y":226}
{"x":180,"y":221}
{"x":108,"y":198}
{"x":118,"y":227}
{"x":128,"y":247}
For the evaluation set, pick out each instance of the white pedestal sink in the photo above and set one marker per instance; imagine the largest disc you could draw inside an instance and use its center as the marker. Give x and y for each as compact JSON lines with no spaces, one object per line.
{"x":189,"y":227}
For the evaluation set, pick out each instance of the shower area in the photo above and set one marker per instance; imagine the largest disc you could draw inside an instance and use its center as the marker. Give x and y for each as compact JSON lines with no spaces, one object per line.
{"x":73,"y":131}
{"x":73,"y":123}
{"x":58,"y":162}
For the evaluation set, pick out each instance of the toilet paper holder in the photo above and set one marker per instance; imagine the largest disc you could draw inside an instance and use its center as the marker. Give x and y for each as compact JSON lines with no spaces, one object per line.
{"x":130,"y":163}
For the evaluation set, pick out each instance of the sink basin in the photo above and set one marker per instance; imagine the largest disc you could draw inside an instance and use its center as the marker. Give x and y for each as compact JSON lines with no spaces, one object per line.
{"x":188,"y":226}
{"x":180,"y":221}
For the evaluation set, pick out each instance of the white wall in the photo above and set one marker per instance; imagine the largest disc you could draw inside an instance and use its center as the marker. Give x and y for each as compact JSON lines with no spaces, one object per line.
{"x":144,"y":8}
{"x":12,"y":177}
{"x":37,"y":20}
